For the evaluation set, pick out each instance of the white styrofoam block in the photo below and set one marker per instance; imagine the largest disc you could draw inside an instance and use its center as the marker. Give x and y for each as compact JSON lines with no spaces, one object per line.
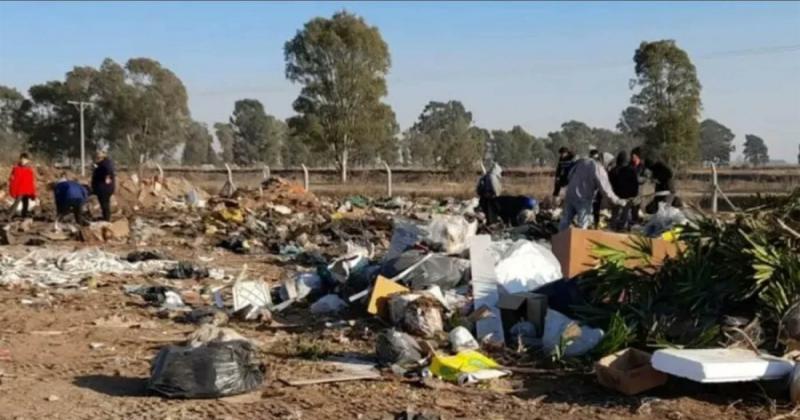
{"x":484,"y":288}
{"x":720,"y":365}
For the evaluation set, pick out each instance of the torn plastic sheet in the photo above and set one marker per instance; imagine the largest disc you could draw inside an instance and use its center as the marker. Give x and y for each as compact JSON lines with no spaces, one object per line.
{"x":54,"y":268}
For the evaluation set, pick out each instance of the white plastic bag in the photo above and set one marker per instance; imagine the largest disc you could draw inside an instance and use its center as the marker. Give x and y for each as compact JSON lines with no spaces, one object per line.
{"x":523,"y":266}
{"x":665,"y":219}
{"x":450,"y":233}
{"x":556,"y":323}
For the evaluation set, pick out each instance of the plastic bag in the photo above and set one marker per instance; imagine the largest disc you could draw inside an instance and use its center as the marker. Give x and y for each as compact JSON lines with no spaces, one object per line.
{"x":187,"y":270}
{"x":556,"y":326}
{"x":523,"y":266}
{"x":396,"y":347}
{"x":450,"y":233}
{"x":665,"y":219}
{"x":439,"y":270}
{"x":214,"y":370}
{"x":465,"y":367}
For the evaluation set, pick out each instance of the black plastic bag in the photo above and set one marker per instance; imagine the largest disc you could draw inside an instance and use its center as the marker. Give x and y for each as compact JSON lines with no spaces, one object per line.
{"x":396,"y":347}
{"x":213,"y":370}
{"x":137,"y":256}
{"x":187,"y":270}
{"x":441,"y":270}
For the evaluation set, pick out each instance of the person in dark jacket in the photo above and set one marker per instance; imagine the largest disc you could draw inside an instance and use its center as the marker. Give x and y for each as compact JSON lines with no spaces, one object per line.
{"x":515,"y":210}
{"x":488,"y":189}
{"x":103,"y":183}
{"x":637,"y":162}
{"x":566,"y":160}
{"x":665,"y":189}
{"x":625,"y":183}
{"x":70,"y":197}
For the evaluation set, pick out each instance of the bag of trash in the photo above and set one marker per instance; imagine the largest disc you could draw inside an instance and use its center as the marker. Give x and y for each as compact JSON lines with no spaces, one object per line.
{"x":461,"y":339}
{"x":213,"y":370}
{"x":328,"y":304}
{"x":437,"y":270}
{"x":665,"y":219}
{"x":138,"y":256}
{"x":522,"y":266}
{"x":423,"y":317}
{"x":560,"y":330}
{"x":187,"y":270}
{"x":404,"y":235}
{"x":450,"y":233}
{"x":394,"y":347}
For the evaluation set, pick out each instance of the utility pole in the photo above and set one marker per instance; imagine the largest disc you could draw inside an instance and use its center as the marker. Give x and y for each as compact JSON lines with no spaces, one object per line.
{"x":81,"y":105}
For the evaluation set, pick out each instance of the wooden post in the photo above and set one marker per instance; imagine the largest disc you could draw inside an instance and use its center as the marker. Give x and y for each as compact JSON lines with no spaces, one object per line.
{"x":714,"y":188}
{"x":388,"y":179}
{"x":266,"y":173}
{"x":305,"y":177}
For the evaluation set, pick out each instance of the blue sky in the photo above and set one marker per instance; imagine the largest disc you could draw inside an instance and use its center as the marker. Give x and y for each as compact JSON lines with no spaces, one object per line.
{"x":530,"y":64}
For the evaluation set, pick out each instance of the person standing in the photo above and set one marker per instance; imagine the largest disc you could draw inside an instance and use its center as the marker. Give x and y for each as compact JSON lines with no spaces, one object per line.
{"x":488,"y":189}
{"x":22,"y":184}
{"x":664,"y":182}
{"x":587,"y":178}
{"x":566,"y":159}
{"x":624,"y":181}
{"x":103,"y":182}
{"x":70,"y":197}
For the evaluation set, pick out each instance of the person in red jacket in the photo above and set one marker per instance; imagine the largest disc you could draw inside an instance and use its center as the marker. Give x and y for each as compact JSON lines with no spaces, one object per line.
{"x":22,"y":184}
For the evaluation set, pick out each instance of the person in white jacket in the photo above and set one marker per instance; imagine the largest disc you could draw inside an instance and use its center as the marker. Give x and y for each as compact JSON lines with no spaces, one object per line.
{"x":587,"y":178}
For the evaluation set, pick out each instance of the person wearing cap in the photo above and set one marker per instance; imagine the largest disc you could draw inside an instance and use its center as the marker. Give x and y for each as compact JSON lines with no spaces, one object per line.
{"x":103,"y":182}
{"x":566,"y":159}
{"x":515,"y":210}
{"x":70,"y":197}
{"x":586,"y":179}
{"x":488,"y":189}
{"x":22,"y":184}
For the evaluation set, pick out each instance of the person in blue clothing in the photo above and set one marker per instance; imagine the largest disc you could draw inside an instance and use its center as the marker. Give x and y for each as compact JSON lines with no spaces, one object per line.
{"x":70,"y":197}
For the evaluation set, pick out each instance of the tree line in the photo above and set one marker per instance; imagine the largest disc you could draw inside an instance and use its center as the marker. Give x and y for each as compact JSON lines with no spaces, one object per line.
{"x":140,"y":112}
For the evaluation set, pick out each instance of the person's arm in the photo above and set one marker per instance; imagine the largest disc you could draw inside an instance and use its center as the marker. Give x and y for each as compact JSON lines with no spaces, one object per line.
{"x":605,"y":186}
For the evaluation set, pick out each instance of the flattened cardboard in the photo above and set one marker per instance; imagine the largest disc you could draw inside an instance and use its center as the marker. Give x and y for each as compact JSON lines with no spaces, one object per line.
{"x":628,"y":371}
{"x":379,"y":298}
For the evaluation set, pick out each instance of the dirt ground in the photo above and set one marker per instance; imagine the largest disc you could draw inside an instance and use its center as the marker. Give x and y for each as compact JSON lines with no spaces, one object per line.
{"x":60,"y":358}
{"x":56,"y":363}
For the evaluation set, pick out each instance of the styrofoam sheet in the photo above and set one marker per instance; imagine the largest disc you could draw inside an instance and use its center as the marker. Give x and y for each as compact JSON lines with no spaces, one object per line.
{"x":484,"y":288}
{"x":720,"y":365}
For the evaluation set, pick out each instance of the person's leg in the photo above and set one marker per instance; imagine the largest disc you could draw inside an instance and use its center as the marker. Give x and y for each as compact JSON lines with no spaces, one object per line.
{"x":616,"y":215}
{"x":596,"y":205}
{"x":105,"y":206}
{"x":77,"y":212}
{"x":584,"y":213}
{"x":567,"y":216}
{"x":494,"y":209}
{"x":25,"y":202}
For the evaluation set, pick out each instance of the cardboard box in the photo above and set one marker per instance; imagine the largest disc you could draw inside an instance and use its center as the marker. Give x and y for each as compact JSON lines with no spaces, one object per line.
{"x":628,"y":371}
{"x":573,"y":248}
{"x":523,"y":306}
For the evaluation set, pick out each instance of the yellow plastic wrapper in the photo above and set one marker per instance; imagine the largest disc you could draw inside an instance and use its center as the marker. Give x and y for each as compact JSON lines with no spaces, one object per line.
{"x":672,"y":235}
{"x":465,"y":367}
{"x":232,"y":215}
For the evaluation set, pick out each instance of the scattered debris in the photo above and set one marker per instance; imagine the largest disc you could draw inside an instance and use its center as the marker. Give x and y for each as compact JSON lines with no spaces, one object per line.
{"x":721,"y":365}
{"x":628,"y":371}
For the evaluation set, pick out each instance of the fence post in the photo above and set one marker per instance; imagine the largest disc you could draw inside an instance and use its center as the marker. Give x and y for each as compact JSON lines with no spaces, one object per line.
{"x":160,"y":173}
{"x":714,"y":188}
{"x":266,"y":173}
{"x":305,"y":177}
{"x":388,"y":179}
